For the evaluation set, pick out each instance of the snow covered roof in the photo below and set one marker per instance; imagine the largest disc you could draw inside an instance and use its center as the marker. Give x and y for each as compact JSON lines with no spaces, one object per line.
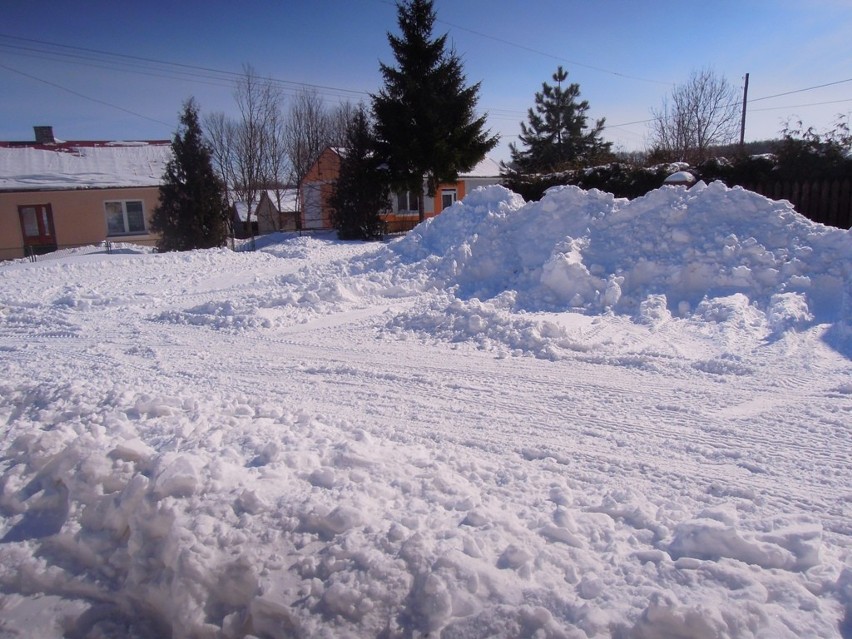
{"x":487,"y":168}
{"x":289,"y":202}
{"x":81,"y":165}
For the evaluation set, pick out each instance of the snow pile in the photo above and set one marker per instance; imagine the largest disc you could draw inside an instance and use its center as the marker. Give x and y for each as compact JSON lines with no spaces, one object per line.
{"x":707,"y":254}
{"x":587,"y":250}
{"x":328,"y":439}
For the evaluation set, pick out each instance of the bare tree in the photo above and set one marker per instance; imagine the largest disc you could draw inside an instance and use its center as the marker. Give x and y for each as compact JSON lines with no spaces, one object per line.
{"x":249,"y":152}
{"x":308,"y":131}
{"x":259,"y":106}
{"x":278,"y":164}
{"x":220,"y":133}
{"x":340,"y":119}
{"x":700,"y":113}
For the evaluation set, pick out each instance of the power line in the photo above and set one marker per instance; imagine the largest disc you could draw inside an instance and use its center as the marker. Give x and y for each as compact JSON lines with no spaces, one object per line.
{"x":802,"y":106}
{"x":550,"y":55}
{"x":777,"y":95}
{"x":85,"y":97}
{"x":217,"y":77}
{"x":193,"y":70}
{"x":818,"y":86}
{"x":524,"y":47}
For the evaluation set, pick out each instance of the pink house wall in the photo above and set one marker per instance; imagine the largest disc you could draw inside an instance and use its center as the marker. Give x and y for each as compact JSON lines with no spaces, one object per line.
{"x":79,"y":216}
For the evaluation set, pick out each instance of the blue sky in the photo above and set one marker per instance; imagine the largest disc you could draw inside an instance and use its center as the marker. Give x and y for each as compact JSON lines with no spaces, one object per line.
{"x":625,"y":54}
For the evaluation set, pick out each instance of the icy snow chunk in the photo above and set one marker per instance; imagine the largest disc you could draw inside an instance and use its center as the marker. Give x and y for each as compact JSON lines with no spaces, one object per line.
{"x":788,"y":310}
{"x":654,"y":310}
{"x":132,"y":450}
{"x":514,"y":557}
{"x":666,"y":617}
{"x":560,"y":534}
{"x":590,"y":586}
{"x":340,"y":599}
{"x":337,"y":521}
{"x":476,"y":519}
{"x":177,"y":477}
{"x":249,"y":502}
{"x":709,"y":539}
{"x":566,"y":275}
{"x":433,"y":603}
{"x":322,"y":477}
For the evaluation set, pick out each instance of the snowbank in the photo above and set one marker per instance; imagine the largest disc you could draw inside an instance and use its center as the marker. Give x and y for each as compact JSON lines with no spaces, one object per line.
{"x":587,"y":250}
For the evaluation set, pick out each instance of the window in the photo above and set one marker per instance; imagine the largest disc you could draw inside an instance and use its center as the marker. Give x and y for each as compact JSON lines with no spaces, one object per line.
{"x":30,"y":221}
{"x":407,"y":203}
{"x":125,"y":217}
{"x":448,"y":198}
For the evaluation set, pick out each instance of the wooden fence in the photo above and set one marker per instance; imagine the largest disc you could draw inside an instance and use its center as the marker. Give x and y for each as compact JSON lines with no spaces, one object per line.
{"x":825,"y":201}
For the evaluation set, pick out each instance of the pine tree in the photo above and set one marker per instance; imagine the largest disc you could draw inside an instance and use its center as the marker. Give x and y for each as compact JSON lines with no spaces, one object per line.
{"x":361,"y":191}
{"x":557,"y":137}
{"x":192,"y":212}
{"x":425,"y":115}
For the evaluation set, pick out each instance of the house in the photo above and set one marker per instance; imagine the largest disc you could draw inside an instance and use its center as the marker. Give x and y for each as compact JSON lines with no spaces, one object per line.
{"x":56,"y":194}
{"x":276,"y":210}
{"x":317,"y":187}
{"x":402,"y":212}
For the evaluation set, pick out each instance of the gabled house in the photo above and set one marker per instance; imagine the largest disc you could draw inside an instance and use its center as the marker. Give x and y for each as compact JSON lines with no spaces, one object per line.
{"x":276,"y":210}
{"x":402,"y":213}
{"x":58,"y":194}
{"x":316,"y":189}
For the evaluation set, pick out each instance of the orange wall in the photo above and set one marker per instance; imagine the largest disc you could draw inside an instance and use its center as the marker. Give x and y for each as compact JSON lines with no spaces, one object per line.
{"x":320,"y":177}
{"x":79,"y":216}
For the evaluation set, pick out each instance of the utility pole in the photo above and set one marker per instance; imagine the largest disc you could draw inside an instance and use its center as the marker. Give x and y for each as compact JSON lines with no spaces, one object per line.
{"x":745,"y":101}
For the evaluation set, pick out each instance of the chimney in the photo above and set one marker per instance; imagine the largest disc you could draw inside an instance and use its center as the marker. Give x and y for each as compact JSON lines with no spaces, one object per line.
{"x":44,"y":135}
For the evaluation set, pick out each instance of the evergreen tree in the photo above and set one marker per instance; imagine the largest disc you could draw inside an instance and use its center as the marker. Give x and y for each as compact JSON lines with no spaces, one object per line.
{"x":192,"y":212}
{"x":426,"y":124}
{"x":361,"y":191}
{"x":557,"y":137}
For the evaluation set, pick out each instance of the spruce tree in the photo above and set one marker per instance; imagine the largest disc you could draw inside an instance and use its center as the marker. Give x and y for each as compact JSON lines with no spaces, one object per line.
{"x":426,"y":123}
{"x":557,"y":137}
{"x":361,"y":191}
{"x":192,"y":212}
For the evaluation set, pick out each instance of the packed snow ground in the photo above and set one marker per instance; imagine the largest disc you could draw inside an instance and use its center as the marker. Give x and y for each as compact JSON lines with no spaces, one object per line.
{"x":579,"y":417}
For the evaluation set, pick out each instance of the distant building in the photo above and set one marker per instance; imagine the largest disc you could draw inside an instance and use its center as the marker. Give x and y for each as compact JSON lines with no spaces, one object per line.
{"x":401,"y":213}
{"x":56,"y":193}
{"x":276,"y":210}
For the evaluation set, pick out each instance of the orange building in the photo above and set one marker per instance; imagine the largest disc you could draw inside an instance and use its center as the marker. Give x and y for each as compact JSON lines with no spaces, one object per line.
{"x":402,"y":212}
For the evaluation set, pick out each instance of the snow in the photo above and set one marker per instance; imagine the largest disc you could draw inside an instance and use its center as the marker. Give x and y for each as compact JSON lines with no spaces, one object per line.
{"x":487,"y":168}
{"x":83,"y":165}
{"x":579,"y":417}
{"x":680,"y":177}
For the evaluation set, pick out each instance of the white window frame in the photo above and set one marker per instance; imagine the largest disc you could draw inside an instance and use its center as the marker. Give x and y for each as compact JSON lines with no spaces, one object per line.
{"x":125,"y":219}
{"x":453,"y":193}
{"x":410,"y":200}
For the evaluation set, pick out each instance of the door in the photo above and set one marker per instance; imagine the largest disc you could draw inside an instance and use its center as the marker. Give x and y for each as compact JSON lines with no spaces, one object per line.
{"x":313,"y":205}
{"x":37,"y":229}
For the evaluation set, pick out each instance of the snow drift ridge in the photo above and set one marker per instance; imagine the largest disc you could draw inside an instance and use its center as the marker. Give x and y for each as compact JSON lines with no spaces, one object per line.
{"x":590,"y":251}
